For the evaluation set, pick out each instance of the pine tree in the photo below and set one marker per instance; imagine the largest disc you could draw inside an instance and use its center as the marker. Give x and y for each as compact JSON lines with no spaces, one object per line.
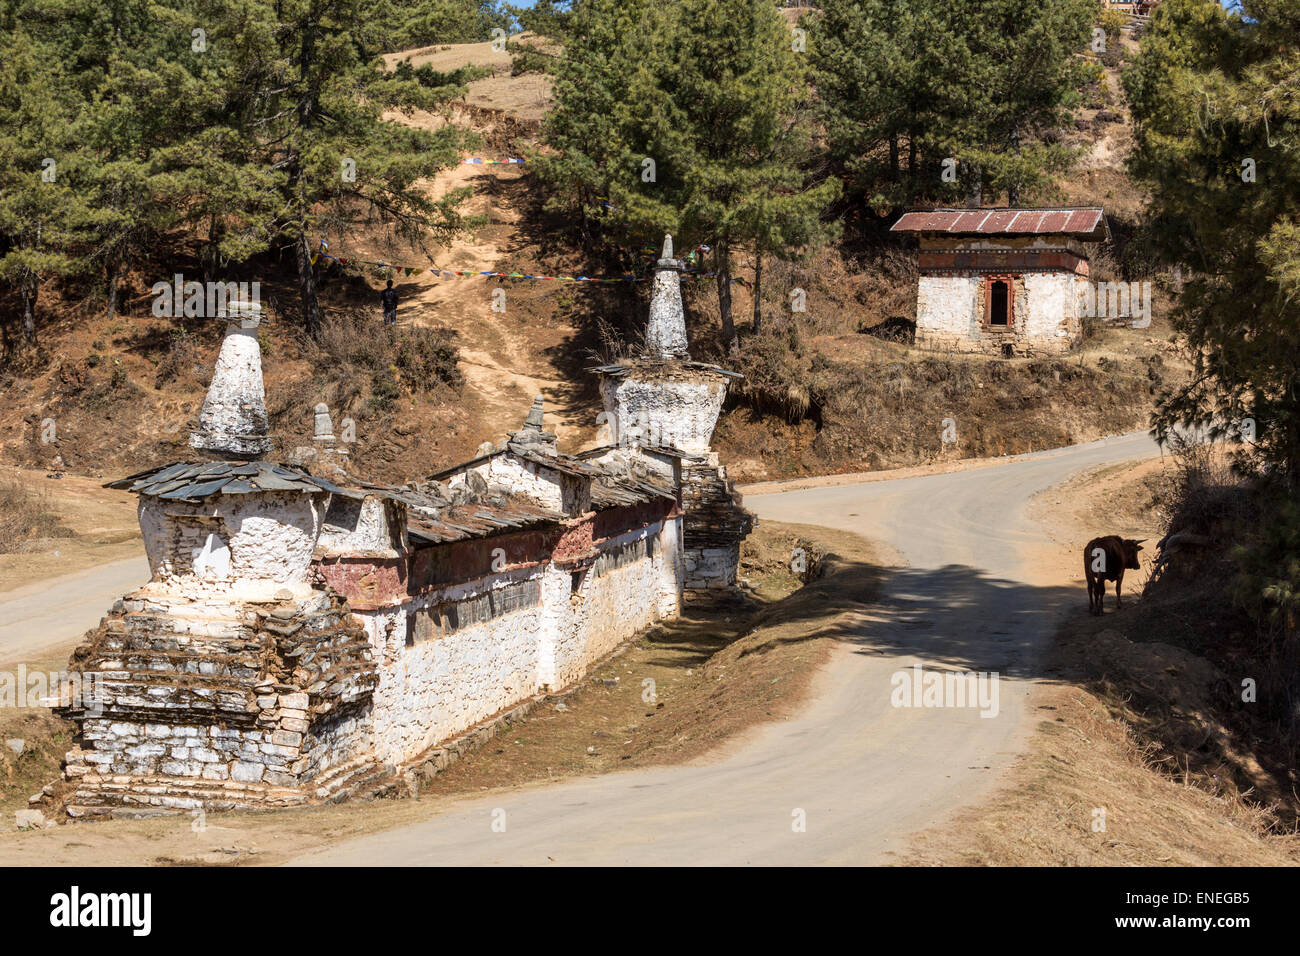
{"x":307,"y":76}
{"x":1218,"y":123}
{"x":691,"y":118}
{"x":906,"y":85}
{"x":41,"y":214}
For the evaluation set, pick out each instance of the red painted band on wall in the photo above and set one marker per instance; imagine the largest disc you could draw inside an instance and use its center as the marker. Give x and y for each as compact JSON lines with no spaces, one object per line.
{"x":989,"y":261}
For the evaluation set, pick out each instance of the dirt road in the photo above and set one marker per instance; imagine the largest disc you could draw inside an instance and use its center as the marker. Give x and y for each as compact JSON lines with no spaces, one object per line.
{"x":42,"y":620}
{"x":971,"y":592}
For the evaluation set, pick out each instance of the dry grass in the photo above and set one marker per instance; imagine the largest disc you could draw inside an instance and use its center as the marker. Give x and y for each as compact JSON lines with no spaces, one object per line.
{"x":874,"y":405}
{"x":1084,"y":759}
{"x":25,"y":515}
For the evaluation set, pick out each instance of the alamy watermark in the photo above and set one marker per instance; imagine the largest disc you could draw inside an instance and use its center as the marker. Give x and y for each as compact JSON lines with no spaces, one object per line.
{"x":918,"y":687}
{"x":1118,"y":300}
{"x":202,"y":300}
{"x":24,"y":688}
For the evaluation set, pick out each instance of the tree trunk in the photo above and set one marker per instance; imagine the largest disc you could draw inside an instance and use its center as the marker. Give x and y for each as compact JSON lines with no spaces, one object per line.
{"x":977,"y":188}
{"x":1013,"y":190}
{"x":758,"y":288}
{"x":729,"y":340}
{"x":312,"y":315}
{"x":211,"y":251}
{"x":911,"y":169}
{"x":114,"y":272}
{"x":28,"y":291}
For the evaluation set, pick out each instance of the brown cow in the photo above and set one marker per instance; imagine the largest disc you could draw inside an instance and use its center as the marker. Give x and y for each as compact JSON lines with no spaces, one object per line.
{"x":1105,"y":559}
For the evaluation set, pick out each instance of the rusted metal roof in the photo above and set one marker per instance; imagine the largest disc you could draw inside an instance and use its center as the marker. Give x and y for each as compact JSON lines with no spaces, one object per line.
{"x":1084,"y":223}
{"x":194,"y":481}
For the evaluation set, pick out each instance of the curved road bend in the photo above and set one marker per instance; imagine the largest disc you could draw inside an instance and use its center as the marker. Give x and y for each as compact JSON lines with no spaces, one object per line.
{"x":865,"y":773}
{"x":40,"y":621}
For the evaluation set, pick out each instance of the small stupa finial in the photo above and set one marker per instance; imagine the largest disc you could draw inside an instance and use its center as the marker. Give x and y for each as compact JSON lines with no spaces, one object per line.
{"x":534,"y":419}
{"x":322,"y":426}
{"x":666,"y":330}
{"x":232,"y":422}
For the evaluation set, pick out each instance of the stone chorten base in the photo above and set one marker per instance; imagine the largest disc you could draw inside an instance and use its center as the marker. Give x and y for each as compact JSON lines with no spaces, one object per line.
{"x":197,"y":705}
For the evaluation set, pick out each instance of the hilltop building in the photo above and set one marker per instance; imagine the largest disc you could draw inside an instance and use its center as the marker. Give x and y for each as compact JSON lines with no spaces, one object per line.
{"x":1002,"y":281}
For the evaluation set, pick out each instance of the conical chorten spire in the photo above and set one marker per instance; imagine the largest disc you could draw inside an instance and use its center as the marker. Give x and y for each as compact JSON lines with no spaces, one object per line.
{"x":665,"y":335}
{"x":232,"y":423}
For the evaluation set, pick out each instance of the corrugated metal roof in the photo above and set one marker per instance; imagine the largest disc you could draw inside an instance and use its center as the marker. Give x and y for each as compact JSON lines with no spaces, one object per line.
{"x":1087,"y":223}
{"x":194,"y":481}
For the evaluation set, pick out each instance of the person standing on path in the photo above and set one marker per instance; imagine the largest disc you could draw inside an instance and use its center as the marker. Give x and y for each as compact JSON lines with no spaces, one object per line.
{"x":389,"y":299}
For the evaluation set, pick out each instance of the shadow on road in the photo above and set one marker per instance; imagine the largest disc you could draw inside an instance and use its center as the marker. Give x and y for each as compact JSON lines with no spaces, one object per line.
{"x":955,"y":617}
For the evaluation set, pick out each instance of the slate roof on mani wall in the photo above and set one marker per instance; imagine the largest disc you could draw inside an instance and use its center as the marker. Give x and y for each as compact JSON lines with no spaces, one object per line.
{"x":433,"y":516}
{"x":616,"y":491}
{"x":565,"y":464}
{"x":1083,"y":223}
{"x":194,"y":481}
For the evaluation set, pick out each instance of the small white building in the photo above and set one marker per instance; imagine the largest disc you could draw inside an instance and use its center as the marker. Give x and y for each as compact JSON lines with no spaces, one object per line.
{"x":1002,"y":281}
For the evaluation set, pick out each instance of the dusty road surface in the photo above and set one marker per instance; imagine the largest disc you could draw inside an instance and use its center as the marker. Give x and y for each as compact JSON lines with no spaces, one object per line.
{"x":971,"y":592}
{"x":39,"y":620}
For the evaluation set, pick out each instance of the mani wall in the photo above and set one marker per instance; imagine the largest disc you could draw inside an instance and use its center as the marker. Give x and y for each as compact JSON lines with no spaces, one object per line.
{"x":302,"y":641}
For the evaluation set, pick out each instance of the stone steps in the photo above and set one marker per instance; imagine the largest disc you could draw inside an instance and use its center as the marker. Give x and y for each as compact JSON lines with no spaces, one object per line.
{"x":130,"y":797}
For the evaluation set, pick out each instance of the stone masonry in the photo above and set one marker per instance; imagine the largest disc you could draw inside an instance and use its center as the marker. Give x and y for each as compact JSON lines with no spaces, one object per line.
{"x":662,"y":400}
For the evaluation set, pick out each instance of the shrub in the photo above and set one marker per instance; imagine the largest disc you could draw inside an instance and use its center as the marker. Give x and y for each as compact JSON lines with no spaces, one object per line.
{"x":419,"y":359}
{"x":25,"y":515}
{"x":181,"y":356}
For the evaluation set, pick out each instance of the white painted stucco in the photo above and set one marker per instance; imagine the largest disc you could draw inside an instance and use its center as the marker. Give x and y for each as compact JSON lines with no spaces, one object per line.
{"x":950,"y":313}
{"x":250,"y":544}
{"x":678,"y":409}
{"x":233,"y":418}
{"x":432,"y":689}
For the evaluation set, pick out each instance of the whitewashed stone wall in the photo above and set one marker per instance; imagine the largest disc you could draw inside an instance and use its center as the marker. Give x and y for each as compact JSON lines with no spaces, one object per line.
{"x":548,"y":487}
{"x":433,"y":689}
{"x":1045,"y":313}
{"x":675,"y":409}
{"x":367,"y":527}
{"x":247,"y":546}
{"x":1051,"y":310}
{"x":609,"y":607}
